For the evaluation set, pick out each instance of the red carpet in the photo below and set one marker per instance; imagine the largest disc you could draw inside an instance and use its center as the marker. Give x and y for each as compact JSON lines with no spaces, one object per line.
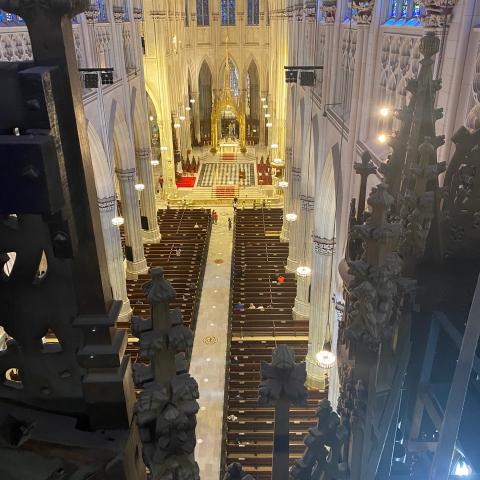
{"x":186,"y":182}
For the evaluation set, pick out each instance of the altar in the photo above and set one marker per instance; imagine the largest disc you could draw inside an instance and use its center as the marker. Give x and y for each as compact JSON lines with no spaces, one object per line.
{"x":229,"y":146}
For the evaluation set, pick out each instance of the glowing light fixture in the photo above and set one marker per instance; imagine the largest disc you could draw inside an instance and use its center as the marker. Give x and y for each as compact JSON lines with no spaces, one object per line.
{"x":269,"y":125}
{"x":382,"y":138}
{"x":154,"y":163}
{"x":291,"y":217}
{"x":462,"y":469}
{"x":304,"y":271}
{"x":265,"y":106}
{"x":283,"y":184}
{"x":182,"y":118}
{"x":267,"y":115}
{"x":139,"y":187}
{"x":118,"y":221}
{"x":163,"y":149}
{"x":176,"y":125}
{"x":192,"y":100}
{"x":277,"y":161}
{"x":274,"y":145}
{"x":187,"y":109}
{"x":151,"y":118}
{"x":263,"y":99}
{"x":384,"y":111}
{"x":325,"y":357}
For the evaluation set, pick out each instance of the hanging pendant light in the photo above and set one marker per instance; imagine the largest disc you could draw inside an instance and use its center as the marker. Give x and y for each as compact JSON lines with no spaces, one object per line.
{"x":154,"y":163}
{"x":283,"y":184}
{"x":304,"y":271}
{"x":163,"y":148}
{"x":325,"y":357}
{"x":277,"y":161}
{"x":118,"y":221}
{"x":139,"y":187}
{"x":291,"y":217}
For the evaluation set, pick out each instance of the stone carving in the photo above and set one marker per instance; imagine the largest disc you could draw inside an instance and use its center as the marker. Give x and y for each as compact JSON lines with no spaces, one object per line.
{"x":363,"y":11}
{"x":352,"y":400}
{"x":92,"y":13}
{"x":283,"y":377}
{"x":283,"y":383}
{"x":437,"y":13}
{"x":118,"y":14}
{"x":235,"y":472}
{"x":166,"y":408}
{"x":324,"y":442}
{"x":307,"y":203}
{"x":461,"y":207}
{"x":323,"y":246}
{"x":329,"y":10}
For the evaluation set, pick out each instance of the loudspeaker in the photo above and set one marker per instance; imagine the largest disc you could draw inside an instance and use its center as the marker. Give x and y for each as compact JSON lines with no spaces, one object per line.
{"x":90,"y":80}
{"x":307,"y":78}
{"x":291,"y":76}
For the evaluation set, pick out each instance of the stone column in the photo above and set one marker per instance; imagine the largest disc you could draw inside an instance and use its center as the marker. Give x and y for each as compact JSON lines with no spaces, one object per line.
{"x":287,"y":201}
{"x":196,"y":116}
{"x":148,"y":208}
{"x":293,"y":259}
{"x":301,"y":310}
{"x":114,"y":254}
{"x":136,"y":262}
{"x":323,"y":254}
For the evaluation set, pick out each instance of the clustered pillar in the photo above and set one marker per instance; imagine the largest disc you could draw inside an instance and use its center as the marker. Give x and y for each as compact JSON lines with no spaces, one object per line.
{"x":114,"y":252}
{"x":148,"y":208}
{"x":136,"y":263}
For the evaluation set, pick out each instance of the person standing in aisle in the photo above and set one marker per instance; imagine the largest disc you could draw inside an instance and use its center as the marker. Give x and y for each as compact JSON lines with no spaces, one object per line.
{"x":229,"y":223}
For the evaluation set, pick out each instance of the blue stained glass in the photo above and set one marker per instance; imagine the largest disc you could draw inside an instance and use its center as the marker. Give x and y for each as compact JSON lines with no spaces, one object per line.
{"x":404,"y":8}
{"x":393,"y":12}
{"x":416,"y":9}
{"x":102,"y":17}
{"x":228,"y":12}
{"x":234,"y":79}
{"x":253,"y":12}
{"x":202,"y":13}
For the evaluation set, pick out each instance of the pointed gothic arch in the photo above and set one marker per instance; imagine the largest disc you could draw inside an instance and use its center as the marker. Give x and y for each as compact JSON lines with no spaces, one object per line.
{"x":252,"y":103}
{"x":205,"y":102}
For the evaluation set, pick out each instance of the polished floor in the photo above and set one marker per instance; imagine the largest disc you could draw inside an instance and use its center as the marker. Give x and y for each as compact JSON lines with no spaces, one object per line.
{"x":210,"y":347}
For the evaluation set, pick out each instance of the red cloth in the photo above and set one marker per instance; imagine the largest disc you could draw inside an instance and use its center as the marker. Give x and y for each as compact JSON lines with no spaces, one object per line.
{"x":186,"y":182}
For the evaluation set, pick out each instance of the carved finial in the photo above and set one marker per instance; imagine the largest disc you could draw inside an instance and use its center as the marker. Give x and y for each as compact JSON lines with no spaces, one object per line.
{"x":283,"y":377}
{"x":363,"y":11}
{"x":158,"y":289}
{"x":437,"y":13}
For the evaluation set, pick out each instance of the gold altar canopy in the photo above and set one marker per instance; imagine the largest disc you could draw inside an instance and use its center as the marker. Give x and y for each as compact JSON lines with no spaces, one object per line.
{"x":227,"y":102}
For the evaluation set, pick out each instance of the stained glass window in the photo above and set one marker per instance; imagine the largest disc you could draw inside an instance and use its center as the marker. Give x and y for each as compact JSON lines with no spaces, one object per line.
{"x":202,"y":13}
{"x":416,"y":9}
{"x":186,"y":13}
{"x":234,"y":79}
{"x":253,"y":12}
{"x":404,"y":11}
{"x":394,"y":9}
{"x":102,"y":16}
{"x":10,"y":18}
{"x":228,"y":12}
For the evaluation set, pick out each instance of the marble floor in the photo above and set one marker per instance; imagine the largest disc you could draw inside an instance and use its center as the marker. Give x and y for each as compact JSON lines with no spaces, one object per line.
{"x":209,"y":348}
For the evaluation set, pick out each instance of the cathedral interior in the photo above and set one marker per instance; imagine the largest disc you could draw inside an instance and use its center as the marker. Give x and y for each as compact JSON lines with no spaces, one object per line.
{"x":239,"y":239}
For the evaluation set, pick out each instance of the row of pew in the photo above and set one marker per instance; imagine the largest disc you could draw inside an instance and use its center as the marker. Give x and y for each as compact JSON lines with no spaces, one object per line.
{"x":182,"y":254}
{"x":259,"y":279}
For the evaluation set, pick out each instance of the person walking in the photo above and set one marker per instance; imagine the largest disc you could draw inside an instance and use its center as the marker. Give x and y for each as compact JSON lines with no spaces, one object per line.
{"x":229,"y":223}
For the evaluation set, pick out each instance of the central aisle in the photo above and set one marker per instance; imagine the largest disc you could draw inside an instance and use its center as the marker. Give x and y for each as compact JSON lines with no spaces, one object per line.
{"x":210,"y":344}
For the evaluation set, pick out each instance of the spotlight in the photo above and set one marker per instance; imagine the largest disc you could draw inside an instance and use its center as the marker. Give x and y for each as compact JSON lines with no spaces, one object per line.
{"x":139,"y":187}
{"x":382,"y":138}
{"x":187,"y":109}
{"x":277,"y":161}
{"x":263,"y":99}
{"x":118,"y":221}
{"x":182,"y":118}
{"x":151,"y":118}
{"x":265,"y":106}
{"x":192,"y":100}
{"x":304,"y":271}
{"x":291,"y":217}
{"x":267,"y":115}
